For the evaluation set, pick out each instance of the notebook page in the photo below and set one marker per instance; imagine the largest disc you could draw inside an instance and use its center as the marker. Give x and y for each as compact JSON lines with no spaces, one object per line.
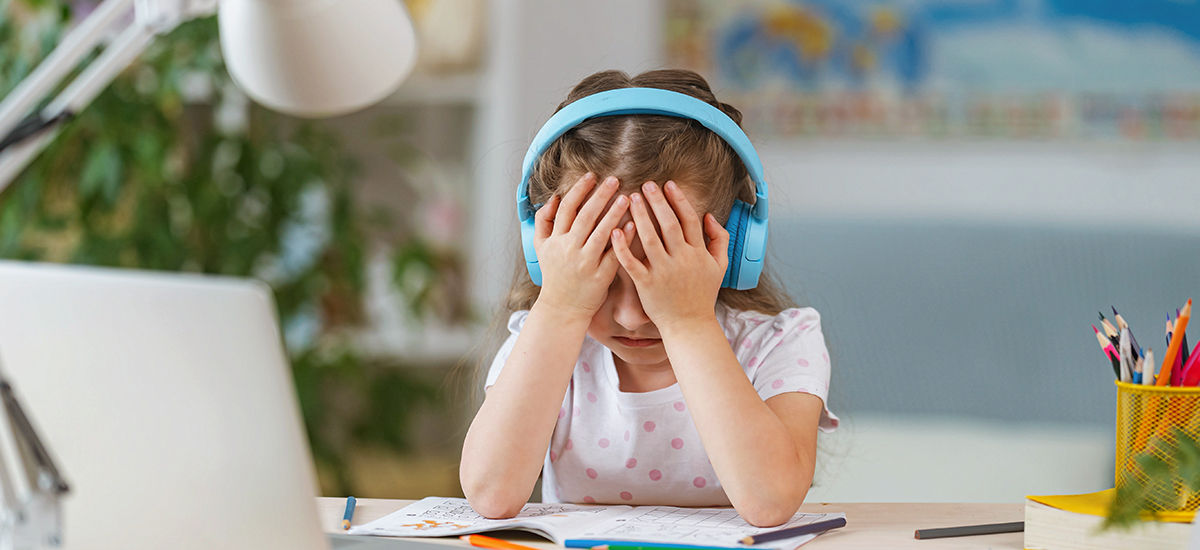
{"x":694,"y":526}
{"x":439,"y":517}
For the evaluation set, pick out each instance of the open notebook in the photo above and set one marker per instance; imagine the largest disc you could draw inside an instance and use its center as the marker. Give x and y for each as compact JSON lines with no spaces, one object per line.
{"x":584,"y":526}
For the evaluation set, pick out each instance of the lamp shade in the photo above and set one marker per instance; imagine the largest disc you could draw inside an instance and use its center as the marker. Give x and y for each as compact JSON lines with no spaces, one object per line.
{"x":315,"y":58}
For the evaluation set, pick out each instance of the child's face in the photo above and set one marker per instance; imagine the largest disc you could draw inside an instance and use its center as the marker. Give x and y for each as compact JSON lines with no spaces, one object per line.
{"x":620,"y":323}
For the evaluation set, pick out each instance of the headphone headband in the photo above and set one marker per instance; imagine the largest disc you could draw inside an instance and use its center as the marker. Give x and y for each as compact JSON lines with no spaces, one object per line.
{"x":747,"y":224}
{"x":643,"y":101}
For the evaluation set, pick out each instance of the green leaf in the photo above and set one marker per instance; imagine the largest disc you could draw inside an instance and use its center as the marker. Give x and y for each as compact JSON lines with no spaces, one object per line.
{"x":101,"y":176}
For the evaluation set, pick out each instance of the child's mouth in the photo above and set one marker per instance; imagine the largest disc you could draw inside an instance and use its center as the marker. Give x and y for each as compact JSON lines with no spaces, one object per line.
{"x":637,"y":342}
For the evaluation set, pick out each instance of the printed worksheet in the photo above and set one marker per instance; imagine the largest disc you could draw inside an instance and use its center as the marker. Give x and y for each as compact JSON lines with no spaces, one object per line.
{"x":581,"y":525}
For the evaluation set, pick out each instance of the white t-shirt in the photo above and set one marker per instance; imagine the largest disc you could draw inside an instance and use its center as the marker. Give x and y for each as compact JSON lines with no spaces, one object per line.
{"x":611,"y":446}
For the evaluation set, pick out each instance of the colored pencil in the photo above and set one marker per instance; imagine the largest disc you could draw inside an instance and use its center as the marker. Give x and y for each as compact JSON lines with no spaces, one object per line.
{"x":809,"y":529}
{"x":349,"y":513}
{"x":969,"y":530}
{"x":644,"y":546}
{"x":1191,"y":370}
{"x":1109,"y":330}
{"x":1121,"y":324}
{"x":1164,"y":373}
{"x":482,"y":541}
{"x":1148,"y":368}
{"x":1109,"y":351}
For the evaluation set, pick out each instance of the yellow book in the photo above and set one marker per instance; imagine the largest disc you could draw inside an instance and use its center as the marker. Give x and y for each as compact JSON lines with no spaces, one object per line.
{"x":1070,"y":522}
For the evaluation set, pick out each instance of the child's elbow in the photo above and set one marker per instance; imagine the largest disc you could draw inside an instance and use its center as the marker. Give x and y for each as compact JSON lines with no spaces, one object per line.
{"x":769,"y":511}
{"x":492,"y":505}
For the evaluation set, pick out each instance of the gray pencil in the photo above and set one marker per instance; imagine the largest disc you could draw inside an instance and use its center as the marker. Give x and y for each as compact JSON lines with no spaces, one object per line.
{"x":968,"y":530}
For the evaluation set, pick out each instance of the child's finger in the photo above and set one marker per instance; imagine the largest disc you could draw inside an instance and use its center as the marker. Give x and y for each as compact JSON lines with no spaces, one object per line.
{"x":692,"y":229}
{"x":571,"y":201}
{"x":599,"y":238}
{"x":672,"y":232}
{"x":645,"y":230}
{"x":543,"y":221}
{"x":718,"y":241}
{"x":585,"y":221}
{"x":620,"y":249}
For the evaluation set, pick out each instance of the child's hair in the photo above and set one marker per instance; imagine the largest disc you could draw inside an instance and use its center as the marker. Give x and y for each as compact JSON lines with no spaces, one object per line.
{"x":640,"y":148}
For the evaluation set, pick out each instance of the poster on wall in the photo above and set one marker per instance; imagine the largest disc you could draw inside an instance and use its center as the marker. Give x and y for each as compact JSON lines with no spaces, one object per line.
{"x":1011,"y":69}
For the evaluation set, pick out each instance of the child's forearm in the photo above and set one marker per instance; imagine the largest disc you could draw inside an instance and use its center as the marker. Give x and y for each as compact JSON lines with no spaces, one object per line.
{"x":507,"y":441}
{"x":763,"y":472}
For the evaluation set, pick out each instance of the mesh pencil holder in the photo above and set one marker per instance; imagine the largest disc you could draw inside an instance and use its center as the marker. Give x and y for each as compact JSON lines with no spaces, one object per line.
{"x":1147,"y":413}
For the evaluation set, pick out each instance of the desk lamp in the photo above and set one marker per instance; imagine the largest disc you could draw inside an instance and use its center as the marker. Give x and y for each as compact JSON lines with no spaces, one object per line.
{"x":308,"y":58}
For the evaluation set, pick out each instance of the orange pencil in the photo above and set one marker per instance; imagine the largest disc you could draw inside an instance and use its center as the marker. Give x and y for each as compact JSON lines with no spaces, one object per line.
{"x":496,"y":544}
{"x":1164,"y":374}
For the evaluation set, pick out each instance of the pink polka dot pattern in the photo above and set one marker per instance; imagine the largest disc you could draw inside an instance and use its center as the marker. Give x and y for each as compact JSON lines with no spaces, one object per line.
{"x":655,"y":475}
{"x":746,"y":343}
{"x":626,"y":495}
{"x":568,"y":446}
{"x":753,"y":361}
{"x":591,"y":397}
{"x":626,"y":435}
{"x":562,"y":413}
{"x":587,"y":367}
{"x":591,"y":473}
{"x":589,"y":500}
{"x":553,"y":456}
{"x":825,"y":356}
{"x":804,"y":326}
{"x":631,"y":463}
{"x":677,"y":443}
{"x":777,"y":384}
{"x":794,"y":313}
{"x":576,"y":411}
{"x":802,"y":362}
{"x":648,"y":426}
{"x":679,"y":406}
{"x":699,"y":482}
{"x":603,"y":443}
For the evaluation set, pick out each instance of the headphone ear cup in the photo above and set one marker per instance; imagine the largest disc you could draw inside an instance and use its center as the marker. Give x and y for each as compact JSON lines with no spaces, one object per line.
{"x":739,"y":217}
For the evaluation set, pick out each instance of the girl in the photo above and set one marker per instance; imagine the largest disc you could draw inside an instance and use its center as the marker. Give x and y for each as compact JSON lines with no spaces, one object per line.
{"x":629,"y":375}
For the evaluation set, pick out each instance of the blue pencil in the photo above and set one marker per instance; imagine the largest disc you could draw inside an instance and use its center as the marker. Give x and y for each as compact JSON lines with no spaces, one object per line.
{"x":350,"y":501}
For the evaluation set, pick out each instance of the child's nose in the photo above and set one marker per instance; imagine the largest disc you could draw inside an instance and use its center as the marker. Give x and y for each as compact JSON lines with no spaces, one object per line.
{"x":628,"y":311}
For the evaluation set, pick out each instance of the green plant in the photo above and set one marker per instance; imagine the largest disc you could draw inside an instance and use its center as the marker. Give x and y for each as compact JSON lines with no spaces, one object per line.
{"x":171,"y":168}
{"x":1174,"y":467}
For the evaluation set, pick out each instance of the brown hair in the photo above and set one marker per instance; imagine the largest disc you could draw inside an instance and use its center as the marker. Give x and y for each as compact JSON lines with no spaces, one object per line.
{"x":640,"y":148}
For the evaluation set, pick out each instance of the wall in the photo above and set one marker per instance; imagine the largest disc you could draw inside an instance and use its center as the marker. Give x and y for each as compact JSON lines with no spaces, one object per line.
{"x":957,"y":280}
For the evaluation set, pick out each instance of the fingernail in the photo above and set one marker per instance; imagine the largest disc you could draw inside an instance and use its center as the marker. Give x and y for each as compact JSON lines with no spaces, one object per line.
{"x":649,"y":187}
{"x":610,"y":181}
{"x":636,"y":198}
{"x":621,"y":200}
{"x":671,"y":185}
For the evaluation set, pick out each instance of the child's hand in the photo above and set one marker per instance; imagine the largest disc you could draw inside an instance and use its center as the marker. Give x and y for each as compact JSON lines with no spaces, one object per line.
{"x":679,"y":281}
{"x":571,"y":246}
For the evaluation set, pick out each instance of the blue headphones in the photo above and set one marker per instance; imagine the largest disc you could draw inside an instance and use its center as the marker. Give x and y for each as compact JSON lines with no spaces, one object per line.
{"x":747,"y":224}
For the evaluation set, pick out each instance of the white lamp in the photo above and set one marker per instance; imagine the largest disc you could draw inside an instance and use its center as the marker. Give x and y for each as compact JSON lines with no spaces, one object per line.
{"x":317,"y":57}
{"x":301,"y":57}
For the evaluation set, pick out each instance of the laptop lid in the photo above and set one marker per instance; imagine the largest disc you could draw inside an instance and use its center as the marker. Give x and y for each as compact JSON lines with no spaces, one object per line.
{"x":166,"y":401}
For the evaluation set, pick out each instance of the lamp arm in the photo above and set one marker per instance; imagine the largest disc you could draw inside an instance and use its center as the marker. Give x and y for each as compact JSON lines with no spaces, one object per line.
{"x":153,"y":17}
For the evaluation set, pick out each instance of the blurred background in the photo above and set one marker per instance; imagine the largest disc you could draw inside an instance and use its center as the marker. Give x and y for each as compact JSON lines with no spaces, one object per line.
{"x":959,"y":186}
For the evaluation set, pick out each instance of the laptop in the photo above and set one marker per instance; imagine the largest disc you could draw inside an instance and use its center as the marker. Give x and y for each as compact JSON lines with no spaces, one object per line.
{"x":166,"y":401}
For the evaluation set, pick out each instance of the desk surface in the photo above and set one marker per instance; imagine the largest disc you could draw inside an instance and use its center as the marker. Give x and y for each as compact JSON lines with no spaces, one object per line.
{"x":868,"y":525}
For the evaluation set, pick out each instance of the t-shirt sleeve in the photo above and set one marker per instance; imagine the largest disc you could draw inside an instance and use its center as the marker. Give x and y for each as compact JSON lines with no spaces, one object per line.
{"x":787,"y":353}
{"x":515,"y":322}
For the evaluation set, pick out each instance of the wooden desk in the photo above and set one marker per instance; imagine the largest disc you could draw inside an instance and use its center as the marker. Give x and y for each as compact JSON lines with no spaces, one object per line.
{"x":868,"y":525}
